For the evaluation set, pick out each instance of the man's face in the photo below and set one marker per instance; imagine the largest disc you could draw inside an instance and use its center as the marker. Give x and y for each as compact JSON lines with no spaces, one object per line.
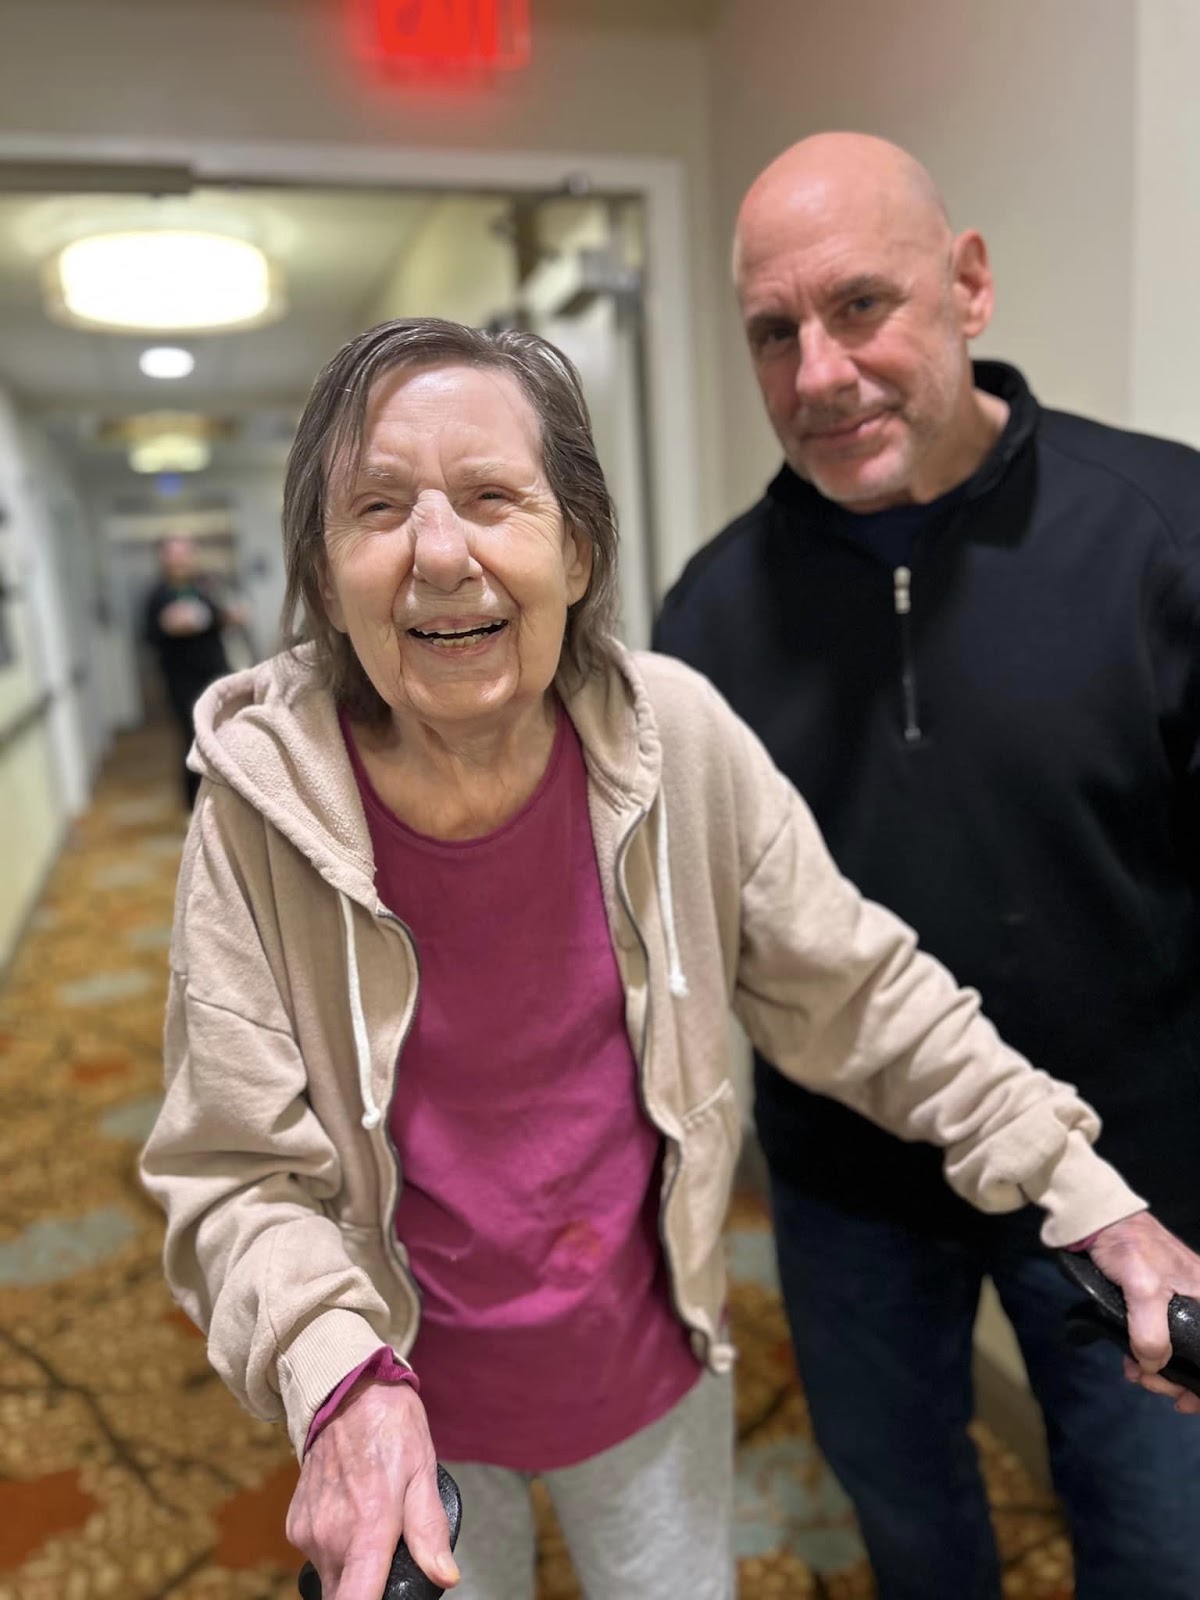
{"x":857,"y":317}
{"x":178,"y":558}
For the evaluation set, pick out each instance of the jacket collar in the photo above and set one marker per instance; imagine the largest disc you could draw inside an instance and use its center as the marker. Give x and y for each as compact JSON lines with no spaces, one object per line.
{"x":995,"y":377}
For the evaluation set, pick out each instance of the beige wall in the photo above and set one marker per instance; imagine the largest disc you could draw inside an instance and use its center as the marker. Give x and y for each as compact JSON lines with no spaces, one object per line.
{"x":1166,"y":328}
{"x":1024,"y":112}
{"x":32,"y":807}
{"x":281,"y":69}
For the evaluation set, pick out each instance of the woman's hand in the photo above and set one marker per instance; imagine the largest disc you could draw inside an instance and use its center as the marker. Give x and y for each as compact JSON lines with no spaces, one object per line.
{"x":370,"y":1477}
{"x":1150,"y":1264}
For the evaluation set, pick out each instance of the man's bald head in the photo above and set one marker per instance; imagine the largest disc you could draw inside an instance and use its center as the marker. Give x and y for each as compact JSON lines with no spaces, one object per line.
{"x":843,"y":172}
{"x":858,"y":302}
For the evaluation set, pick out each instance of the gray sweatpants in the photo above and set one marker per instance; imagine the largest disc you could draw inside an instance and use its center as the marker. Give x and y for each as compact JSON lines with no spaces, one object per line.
{"x":650,"y":1519}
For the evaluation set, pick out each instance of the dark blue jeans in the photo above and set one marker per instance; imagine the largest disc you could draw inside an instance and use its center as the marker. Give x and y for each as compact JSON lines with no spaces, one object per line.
{"x":882,"y":1322}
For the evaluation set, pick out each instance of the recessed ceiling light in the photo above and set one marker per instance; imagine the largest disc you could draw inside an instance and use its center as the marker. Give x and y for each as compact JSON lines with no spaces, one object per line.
{"x":170,"y":452}
{"x":167,"y":278}
{"x":166,"y":361}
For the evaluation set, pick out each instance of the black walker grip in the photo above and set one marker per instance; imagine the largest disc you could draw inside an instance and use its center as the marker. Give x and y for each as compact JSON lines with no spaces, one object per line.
{"x":1102,"y":1314}
{"x":405,"y":1581}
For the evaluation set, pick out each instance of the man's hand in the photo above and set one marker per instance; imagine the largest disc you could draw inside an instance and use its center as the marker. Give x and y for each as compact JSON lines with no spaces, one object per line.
{"x":370,"y":1477}
{"x":183,"y":617}
{"x":1150,"y":1265}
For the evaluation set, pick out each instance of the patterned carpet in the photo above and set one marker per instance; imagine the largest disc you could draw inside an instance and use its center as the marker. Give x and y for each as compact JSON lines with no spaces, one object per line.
{"x":126,"y":1471}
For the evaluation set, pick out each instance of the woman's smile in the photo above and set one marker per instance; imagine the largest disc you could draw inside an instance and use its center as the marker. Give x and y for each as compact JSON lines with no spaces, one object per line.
{"x":458,"y":638}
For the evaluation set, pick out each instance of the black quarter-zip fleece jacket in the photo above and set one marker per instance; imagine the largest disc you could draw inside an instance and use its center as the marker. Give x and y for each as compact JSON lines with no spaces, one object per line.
{"x":1001,"y":742}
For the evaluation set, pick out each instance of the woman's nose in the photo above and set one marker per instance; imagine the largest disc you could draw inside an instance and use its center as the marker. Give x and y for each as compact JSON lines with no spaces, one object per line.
{"x":442,"y":546}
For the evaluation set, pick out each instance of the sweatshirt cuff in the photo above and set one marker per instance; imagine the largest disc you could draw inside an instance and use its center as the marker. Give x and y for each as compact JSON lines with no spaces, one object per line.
{"x":313,"y":1365}
{"x":1080,"y":1194}
{"x":382,"y":1367}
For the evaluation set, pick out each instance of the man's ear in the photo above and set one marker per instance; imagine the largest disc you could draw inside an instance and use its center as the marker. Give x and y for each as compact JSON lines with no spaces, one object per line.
{"x":974,"y":288}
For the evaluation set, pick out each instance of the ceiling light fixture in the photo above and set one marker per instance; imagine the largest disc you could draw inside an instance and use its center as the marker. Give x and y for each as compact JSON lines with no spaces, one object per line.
{"x":170,"y":452}
{"x":163,"y":279}
{"x":166,"y":361}
{"x":159,"y":442}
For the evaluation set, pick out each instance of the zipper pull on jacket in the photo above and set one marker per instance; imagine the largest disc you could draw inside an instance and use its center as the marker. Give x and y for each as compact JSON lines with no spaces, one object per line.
{"x":902,"y":600}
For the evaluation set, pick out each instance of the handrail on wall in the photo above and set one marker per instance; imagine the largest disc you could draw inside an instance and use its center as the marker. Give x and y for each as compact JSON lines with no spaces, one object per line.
{"x":37,"y":711}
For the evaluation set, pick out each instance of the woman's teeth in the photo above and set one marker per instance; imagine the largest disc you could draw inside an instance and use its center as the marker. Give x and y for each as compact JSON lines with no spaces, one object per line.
{"x":457,"y":641}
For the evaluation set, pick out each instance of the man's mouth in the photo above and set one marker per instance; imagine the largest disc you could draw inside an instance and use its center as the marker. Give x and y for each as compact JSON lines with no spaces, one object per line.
{"x":456,"y":638}
{"x":836,"y":432}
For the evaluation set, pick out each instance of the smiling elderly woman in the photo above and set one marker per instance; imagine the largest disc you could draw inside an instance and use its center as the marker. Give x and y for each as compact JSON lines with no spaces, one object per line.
{"x":449,"y":1127}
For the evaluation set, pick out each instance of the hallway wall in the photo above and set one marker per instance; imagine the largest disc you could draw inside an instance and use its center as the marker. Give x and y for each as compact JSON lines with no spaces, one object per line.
{"x":1166,"y":244}
{"x":47,"y":721}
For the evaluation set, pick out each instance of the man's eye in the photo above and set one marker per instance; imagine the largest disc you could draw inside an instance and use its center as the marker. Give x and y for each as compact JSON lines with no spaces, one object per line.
{"x":862,"y":305}
{"x":773,"y":336}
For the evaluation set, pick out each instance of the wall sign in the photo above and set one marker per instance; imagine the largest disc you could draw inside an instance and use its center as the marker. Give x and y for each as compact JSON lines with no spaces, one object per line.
{"x":446,"y":35}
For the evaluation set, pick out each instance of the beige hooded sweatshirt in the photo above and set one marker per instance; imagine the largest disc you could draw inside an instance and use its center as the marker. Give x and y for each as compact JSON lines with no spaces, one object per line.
{"x":293,"y":987}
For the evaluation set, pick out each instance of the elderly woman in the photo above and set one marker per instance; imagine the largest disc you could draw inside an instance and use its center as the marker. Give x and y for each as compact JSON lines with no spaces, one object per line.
{"x":449,"y":1127}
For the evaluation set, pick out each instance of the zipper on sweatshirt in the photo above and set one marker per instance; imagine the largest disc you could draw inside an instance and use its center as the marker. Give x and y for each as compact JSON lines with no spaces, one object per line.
{"x":391,"y":1243}
{"x":640,"y":1054}
{"x":902,"y":602}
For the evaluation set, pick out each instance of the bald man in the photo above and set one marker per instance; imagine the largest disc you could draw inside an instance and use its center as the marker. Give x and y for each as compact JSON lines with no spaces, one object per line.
{"x":968,"y":629}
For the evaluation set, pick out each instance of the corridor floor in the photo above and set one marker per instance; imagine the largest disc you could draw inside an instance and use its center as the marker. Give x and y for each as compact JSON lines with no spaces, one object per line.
{"x":126,"y":1470}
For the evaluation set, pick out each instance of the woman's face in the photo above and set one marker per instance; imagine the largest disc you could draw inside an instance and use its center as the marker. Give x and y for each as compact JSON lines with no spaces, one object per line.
{"x":447,"y":562}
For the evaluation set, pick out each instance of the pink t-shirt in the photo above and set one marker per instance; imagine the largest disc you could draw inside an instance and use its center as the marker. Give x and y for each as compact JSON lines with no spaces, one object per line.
{"x":531,"y":1174}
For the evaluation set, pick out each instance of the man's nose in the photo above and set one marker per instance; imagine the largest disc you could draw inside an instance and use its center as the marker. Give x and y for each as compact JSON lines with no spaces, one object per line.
{"x":825,"y":369}
{"x":442,"y":554}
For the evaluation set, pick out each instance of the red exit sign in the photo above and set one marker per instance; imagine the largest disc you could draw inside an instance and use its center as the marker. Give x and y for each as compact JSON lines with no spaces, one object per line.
{"x":447,"y":34}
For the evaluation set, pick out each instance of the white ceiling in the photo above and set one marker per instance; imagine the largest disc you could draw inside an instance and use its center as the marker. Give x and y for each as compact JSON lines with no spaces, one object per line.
{"x":335,"y":250}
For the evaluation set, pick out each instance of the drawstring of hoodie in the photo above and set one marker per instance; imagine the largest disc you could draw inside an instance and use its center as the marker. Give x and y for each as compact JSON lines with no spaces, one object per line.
{"x":372,"y":1116}
{"x":676,"y":978}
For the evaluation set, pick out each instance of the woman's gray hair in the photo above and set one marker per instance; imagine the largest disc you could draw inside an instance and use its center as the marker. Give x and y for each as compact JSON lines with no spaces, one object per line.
{"x":329,"y":439}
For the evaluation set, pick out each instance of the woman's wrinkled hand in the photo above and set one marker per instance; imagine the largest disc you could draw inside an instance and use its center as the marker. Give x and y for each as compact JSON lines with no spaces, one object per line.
{"x":370,"y":1478}
{"x":1150,"y":1264}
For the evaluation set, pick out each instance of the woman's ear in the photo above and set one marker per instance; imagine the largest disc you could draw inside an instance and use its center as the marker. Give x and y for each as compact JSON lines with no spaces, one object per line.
{"x":577,"y":564}
{"x":329,"y":594}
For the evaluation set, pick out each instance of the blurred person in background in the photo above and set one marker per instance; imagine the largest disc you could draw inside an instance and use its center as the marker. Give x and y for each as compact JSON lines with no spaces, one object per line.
{"x":968,"y":630}
{"x":449,"y":1126}
{"x":184,"y":623}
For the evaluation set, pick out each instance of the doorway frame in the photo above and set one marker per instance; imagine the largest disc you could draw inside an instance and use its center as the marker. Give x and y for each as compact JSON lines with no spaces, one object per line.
{"x":658,"y":182}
